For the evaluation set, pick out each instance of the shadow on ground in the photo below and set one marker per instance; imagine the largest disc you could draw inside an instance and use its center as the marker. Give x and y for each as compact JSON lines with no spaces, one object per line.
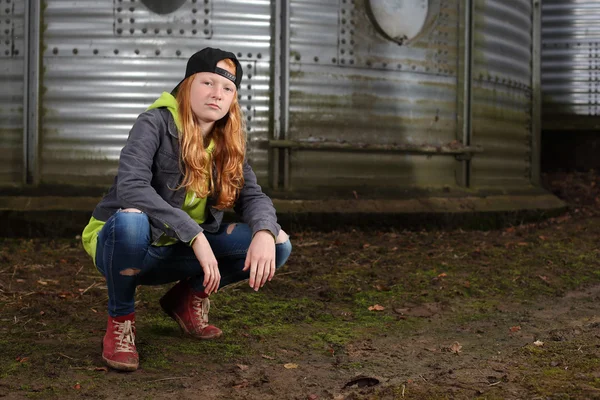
{"x":511,"y":313}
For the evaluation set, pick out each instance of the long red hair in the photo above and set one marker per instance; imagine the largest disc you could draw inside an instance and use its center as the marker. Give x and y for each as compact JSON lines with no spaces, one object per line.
{"x":229,"y":135}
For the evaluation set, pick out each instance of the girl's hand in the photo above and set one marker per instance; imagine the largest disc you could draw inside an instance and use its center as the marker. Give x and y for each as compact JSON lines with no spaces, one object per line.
{"x":208,"y":262}
{"x":261,"y":259}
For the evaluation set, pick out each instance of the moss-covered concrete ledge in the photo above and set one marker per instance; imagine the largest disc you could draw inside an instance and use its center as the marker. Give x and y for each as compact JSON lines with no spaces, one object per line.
{"x":35,"y":216}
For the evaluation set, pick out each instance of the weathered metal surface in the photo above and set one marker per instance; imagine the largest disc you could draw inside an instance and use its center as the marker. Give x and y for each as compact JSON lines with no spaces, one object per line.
{"x":348,"y":82}
{"x":570,"y":62}
{"x":12,"y":47}
{"x":502,"y":93}
{"x":106,"y":61}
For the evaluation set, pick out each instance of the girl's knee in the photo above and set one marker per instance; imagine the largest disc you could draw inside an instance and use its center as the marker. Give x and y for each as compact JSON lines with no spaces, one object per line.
{"x":282,"y":237}
{"x":132,"y":226}
{"x":283,"y":250}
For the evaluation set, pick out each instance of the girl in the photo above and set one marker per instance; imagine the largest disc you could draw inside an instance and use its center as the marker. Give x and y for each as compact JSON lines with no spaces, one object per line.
{"x":183,"y":164}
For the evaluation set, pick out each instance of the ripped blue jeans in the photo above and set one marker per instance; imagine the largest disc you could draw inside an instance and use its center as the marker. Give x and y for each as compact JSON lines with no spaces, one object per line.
{"x":124,"y":243}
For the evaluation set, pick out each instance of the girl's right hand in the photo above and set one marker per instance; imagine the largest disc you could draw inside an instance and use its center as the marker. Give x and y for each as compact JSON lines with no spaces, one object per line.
{"x":208,"y":262}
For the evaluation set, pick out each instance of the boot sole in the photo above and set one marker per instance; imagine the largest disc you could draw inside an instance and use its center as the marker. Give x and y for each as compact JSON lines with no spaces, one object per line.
{"x":120,"y":366}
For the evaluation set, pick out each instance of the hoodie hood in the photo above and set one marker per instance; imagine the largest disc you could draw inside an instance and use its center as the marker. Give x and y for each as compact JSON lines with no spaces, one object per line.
{"x":167,"y":100}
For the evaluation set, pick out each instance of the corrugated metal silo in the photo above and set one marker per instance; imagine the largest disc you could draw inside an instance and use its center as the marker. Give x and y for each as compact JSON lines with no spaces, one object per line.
{"x":570,"y":86}
{"x":12,"y":65}
{"x":363,"y":97}
{"x":105,"y":61}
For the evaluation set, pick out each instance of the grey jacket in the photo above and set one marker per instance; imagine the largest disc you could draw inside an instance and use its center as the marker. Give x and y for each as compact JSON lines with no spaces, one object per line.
{"x":149,"y":171}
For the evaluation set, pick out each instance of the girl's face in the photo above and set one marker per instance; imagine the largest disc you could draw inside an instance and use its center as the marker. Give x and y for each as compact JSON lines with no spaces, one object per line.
{"x":211,"y":94}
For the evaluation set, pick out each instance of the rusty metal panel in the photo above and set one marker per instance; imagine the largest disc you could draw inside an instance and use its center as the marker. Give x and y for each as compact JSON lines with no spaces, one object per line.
{"x":350,"y":83}
{"x":570,"y":62}
{"x":502,"y":93}
{"x":12,"y":75}
{"x":106,"y":61}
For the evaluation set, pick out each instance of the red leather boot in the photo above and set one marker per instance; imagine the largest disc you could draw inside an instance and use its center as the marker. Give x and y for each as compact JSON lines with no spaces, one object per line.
{"x":190,"y":309}
{"x":118,"y":346}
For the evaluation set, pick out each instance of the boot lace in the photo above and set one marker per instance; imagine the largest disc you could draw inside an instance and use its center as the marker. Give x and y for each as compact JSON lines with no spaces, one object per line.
{"x":201,"y":307}
{"x":125,"y":336}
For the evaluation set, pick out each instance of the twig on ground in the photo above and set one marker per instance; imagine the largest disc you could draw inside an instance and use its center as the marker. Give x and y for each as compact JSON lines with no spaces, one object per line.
{"x":89,"y":287}
{"x":169,"y":379}
{"x":11,"y":278}
{"x":77,"y":273}
{"x":66,"y":356}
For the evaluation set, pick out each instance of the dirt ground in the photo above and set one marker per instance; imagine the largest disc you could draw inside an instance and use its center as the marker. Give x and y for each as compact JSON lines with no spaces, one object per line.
{"x":356,"y":314}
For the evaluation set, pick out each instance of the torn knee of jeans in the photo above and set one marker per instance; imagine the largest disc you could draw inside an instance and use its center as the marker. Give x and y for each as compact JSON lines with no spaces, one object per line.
{"x":282,"y":237}
{"x":133,"y":210}
{"x":230,"y":228}
{"x":130,"y":271}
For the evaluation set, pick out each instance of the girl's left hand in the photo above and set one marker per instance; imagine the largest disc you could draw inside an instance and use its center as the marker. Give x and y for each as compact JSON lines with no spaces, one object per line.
{"x":261,"y":259}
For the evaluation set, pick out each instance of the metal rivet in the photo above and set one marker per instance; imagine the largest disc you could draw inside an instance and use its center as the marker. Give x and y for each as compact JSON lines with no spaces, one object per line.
{"x":194,"y":10}
{"x":316,"y":59}
{"x":120,"y":20}
{"x":136,"y":51}
{"x":249,"y":87}
{"x":249,"y":117}
{"x":206,"y":22}
{"x":131,"y":31}
{"x":55,"y":50}
{"x":156,"y":30}
{"x":333,"y":60}
{"x":144,"y":30}
{"x":132,"y":20}
{"x":194,"y":22}
{"x":75,"y":51}
{"x":132,"y":9}
{"x":249,"y":76}
{"x":181,"y":31}
{"x":169,"y":31}
{"x":178,"y":52}
{"x":157,"y":52}
{"x":95,"y":51}
{"x":259,"y":55}
{"x":16,"y":52}
{"x":119,"y":31}
{"x":116,"y":51}
{"x":249,"y":97}
{"x":239,"y":54}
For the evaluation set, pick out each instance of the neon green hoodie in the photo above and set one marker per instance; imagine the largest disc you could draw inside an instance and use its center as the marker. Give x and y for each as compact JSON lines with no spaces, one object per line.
{"x":193,"y":206}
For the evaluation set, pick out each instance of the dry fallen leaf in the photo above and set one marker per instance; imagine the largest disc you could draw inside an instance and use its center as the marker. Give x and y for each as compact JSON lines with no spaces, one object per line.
{"x":241,"y":385}
{"x":41,"y":282}
{"x":538,"y":343}
{"x":101,"y":369}
{"x":290,"y":366}
{"x":242,"y":367}
{"x":376,"y":307}
{"x":267,"y":357}
{"x":77,"y":386}
{"x":442,"y":275}
{"x":455,"y":348}
{"x":515,"y":328}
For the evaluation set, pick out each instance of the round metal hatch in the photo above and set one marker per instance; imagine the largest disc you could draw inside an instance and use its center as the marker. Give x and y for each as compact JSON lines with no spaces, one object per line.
{"x":399,"y":20}
{"x":163,"y":7}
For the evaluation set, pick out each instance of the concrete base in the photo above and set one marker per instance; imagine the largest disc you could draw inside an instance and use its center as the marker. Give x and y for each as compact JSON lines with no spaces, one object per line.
{"x":56,"y":216}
